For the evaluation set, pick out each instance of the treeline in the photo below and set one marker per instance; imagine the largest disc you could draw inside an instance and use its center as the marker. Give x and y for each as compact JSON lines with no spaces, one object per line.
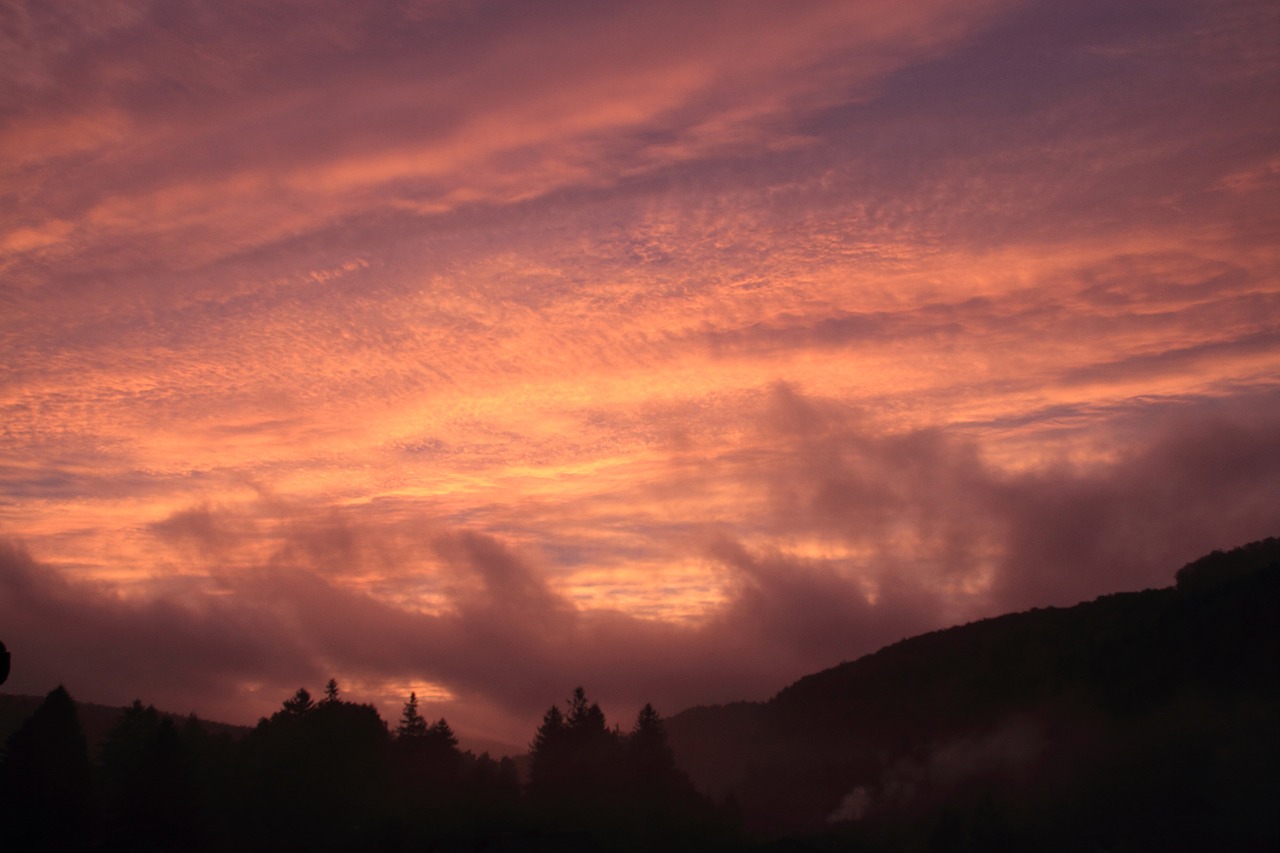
{"x":332,"y":775}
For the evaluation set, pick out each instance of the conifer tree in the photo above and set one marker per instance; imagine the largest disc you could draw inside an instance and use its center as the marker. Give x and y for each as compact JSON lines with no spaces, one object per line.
{"x":300,"y":704}
{"x":651,"y":763}
{"x":442,"y":736}
{"x":576,"y":761}
{"x":331,"y":691}
{"x":316,"y":773}
{"x":549,"y":733}
{"x":648,"y":740}
{"x":45,"y":787}
{"x":151,"y":799}
{"x":546,"y":766}
{"x":412,"y":724}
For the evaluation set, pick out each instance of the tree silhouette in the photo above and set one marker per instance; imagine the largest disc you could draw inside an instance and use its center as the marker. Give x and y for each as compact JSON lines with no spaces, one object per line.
{"x":314,"y":774}
{"x":215,"y":760}
{"x":624,"y":791}
{"x":150,"y":794}
{"x":651,"y":762}
{"x":583,"y":716}
{"x":45,"y":783}
{"x":1138,"y":721}
{"x":546,"y":755}
{"x":665,"y":804}
{"x":548,"y":734}
{"x":575,"y":769}
{"x":441,"y":737}
{"x":412,"y":725}
{"x":300,"y":704}
{"x":425,"y":748}
{"x":427,"y":786}
{"x":495,"y":789}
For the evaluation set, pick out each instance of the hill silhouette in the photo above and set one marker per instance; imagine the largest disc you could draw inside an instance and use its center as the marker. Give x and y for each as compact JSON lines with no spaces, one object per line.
{"x":1144,"y":719}
{"x":96,"y":720}
{"x":1137,"y":721}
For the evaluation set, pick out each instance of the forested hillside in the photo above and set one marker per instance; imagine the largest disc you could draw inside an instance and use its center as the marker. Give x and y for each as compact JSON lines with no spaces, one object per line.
{"x":1138,"y":721}
{"x":332,"y":775}
{"x":1141,"y":718}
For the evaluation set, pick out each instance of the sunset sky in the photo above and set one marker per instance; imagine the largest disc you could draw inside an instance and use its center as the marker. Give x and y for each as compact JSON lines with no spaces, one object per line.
{"x":674,"y":349}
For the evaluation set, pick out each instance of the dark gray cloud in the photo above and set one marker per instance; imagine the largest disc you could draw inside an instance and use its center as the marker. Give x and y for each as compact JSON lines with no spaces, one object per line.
{"x":1183,"y":480}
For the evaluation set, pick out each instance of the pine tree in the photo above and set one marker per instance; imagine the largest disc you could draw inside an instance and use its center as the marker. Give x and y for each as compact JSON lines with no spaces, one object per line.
{"x":45,"y":785}
{"x":331,"y":692}
{"x":649,"y":732}
{"x":580,"y":716}
{"x":546,"y":753}
{"x":316,"y":773}
{"x":576,"y":761}
{"x":549,"y":733}
{"x":300,"y":704}
{"x":150,"y":791}
{"x":442,"y":736}
{"x":652,"y":763}
{"x":412,"y":724}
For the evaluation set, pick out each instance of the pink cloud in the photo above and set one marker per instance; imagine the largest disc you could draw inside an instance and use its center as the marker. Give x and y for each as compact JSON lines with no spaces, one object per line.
{"x":677,"y":350}
{"x":932,"y":535}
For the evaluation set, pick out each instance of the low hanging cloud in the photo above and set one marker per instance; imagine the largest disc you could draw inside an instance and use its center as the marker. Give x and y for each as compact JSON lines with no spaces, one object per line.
{"x":1008,"y":752}
{"x":931,"y":533}
{"x":1054,"y":532}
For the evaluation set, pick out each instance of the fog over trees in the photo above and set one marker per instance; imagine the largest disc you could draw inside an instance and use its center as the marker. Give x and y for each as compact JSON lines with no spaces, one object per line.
{"x":1137,"y":721}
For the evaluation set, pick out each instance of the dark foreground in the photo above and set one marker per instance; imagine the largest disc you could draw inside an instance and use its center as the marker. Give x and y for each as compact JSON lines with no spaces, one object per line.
{"x":1144,"y":721}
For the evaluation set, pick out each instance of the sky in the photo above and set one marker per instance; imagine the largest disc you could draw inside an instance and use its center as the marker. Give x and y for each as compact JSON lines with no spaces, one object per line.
{"x":671,"y":349}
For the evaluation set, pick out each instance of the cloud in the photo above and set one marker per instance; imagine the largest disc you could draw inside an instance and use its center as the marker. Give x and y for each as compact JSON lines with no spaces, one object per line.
{"x":187,"y":651}
{"x":1215,"y":476}
{"x":242,"y":127}
{"x":919,"y":532}
{"x":1007,"y":754}
{"x":673,"y":349}
{"x":798,"y":610}
{"x":1055,"y":534}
